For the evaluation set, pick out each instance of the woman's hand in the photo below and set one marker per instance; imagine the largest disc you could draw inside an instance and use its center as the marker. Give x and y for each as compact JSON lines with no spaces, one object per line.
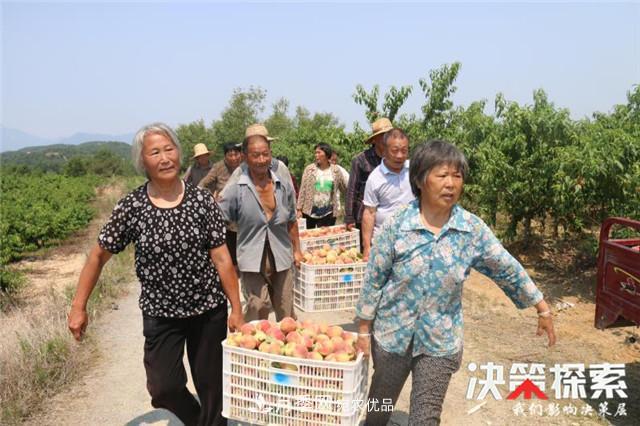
{"x":545,"y":324}
{"x":77,"y":321}
{"x":363,"y":344}
{"x":235,"y":321}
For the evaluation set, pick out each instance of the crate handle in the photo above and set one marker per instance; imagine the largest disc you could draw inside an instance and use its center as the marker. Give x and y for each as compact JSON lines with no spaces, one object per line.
{"x":288,"y":379}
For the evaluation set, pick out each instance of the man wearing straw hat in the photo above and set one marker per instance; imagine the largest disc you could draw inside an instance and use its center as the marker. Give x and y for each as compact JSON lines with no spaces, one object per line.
{"x":201,"y":166}
{"x":361,"y":166}
{"x":264,"y":208}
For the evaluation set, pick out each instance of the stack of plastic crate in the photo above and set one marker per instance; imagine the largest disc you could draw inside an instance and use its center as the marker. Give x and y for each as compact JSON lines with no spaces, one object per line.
{"x":323,"y":288}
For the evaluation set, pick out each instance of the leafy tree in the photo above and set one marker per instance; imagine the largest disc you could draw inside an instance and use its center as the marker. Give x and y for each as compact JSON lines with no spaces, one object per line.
{"x":393,"y":100}
{"x":191,"y":134}
{"x":279,"y":122}
{"x":244,"y":109}
{"x":437,"y":91}
{"x":76,"y":166}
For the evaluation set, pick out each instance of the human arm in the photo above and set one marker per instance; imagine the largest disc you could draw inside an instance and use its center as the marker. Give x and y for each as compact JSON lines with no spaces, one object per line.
{"x":222,"y":261}
{"x":294,"y":235}
{"x":376,"y":277}
{"x":368,"y":222}
{"x":78,"y":319}
{"x":305,"y":190}
{"x":497,"y":263}
{"x":209,"y":181}
{"x":349,"y":213}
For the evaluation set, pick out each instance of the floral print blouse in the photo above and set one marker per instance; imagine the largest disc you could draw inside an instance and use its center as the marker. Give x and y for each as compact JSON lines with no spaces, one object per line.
{"x":413,"y":284}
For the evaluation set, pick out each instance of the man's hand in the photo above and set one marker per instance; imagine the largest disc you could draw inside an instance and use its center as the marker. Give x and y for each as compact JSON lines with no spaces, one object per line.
{"x":363,"y":344}
{"x":350,"y":226}
{"x":365,"y":254}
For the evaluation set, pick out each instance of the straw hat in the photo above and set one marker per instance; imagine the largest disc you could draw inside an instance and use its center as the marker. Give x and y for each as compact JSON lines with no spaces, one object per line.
{"x":257,"y":130}
{"x":381,"y":125}
{"x":200,"y":149}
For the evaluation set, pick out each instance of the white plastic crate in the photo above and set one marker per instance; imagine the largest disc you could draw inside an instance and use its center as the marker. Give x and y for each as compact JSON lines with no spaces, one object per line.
{"x":323,"y":288}
{"x":302,"y":224}
{"x":347,"y":239}
{"x":267,"y":389}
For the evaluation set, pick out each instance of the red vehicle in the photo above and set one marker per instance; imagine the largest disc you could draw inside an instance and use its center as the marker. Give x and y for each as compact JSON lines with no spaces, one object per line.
{"x":618,"y":291}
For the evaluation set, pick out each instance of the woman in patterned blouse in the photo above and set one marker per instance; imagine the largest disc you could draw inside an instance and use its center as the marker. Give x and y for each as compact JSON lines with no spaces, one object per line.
{"x":411,"y":301}
{"x":186,"y":276}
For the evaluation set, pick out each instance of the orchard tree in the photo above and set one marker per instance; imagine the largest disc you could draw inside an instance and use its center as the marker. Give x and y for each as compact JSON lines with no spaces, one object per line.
{"x":436,"y":111}
{"x":244,"y":109}
{"x":393,"y":100}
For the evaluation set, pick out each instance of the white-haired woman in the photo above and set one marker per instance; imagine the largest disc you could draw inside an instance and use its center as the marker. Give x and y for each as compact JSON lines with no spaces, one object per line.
{"x":186,"y":277}
{"x":411,"y":300}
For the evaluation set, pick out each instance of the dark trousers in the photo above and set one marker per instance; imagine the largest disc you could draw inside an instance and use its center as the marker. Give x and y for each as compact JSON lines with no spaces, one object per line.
{"x":164,"y":344}
{"x":312,"y":222}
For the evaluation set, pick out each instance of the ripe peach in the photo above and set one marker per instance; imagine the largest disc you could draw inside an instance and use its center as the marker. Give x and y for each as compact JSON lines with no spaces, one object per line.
{"x":342,"y":356}
{"x":338,"y":344}
{"x":288,"y":325}
{"x":275,"y":333}
{"x":334,"y":331}
{"x":289,"y":348}
{"x":260,"y":335}
{"x":315,"y":355}
{"x":324,"y":347}
{"x":248,"y":342}
{"x":294,"y":337}
{"x":300,"y":351}
{"x":247,"y":329}
{"x":264,"y":325}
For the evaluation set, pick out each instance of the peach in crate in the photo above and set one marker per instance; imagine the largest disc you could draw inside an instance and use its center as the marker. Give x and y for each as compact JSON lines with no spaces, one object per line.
{"x":265,"y":388}
{"x":332,"y":236}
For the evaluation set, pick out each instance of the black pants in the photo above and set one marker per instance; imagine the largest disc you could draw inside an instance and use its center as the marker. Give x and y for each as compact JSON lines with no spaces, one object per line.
{"x":166,"y":377}
{"x":312,"y":222}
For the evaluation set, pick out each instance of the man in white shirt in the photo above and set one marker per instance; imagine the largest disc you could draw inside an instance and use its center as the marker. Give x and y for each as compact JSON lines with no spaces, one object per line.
{"x":388,"y":187}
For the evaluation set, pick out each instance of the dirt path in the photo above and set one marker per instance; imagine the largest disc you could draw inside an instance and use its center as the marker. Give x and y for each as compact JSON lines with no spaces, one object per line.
{"x":113,"y":392}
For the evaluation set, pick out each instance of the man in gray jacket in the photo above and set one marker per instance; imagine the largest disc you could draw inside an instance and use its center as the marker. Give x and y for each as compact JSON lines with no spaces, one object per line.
{"x":264,"y":208}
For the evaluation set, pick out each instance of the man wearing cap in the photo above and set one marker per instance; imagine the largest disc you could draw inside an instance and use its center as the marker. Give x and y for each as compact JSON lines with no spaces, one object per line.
{"x":264,"y":207}
{"x":201,"y":166}
{"x":361,"y":166}
{"x":277,"y":166}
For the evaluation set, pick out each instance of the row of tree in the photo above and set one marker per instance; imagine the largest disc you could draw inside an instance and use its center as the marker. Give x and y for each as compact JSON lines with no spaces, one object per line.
{"x":529,"y":163}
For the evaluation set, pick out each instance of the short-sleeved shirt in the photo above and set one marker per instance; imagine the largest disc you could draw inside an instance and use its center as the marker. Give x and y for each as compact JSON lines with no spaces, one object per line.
{"x":172,"y":261}
{"x":195,"y":173}
{"x":241,"y":204}
{"x":323,"y":193}
{"x":387,"y":190}
{"x":413,"y":285}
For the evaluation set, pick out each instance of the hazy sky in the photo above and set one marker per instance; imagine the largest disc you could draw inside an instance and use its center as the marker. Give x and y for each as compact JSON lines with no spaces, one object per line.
{"x":112,"y":67}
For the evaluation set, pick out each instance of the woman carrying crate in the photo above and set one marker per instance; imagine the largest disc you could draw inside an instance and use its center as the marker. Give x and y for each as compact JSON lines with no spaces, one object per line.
{"x":186,"y":277}
{"x":321,"y":184}
{"x":411,"y":299}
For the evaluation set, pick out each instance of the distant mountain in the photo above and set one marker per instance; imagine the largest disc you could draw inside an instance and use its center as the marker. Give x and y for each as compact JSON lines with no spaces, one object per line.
{"x":86,"y":137}
{"x":14,"y":139}
{"x":53,"y":157}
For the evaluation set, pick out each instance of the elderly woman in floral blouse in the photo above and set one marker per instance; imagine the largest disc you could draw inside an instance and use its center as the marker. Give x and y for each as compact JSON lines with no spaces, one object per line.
{"x":411,"y":299}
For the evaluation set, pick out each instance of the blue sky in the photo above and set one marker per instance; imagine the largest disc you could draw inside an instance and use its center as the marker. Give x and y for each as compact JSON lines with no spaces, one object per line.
{"x":112,"y":67}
